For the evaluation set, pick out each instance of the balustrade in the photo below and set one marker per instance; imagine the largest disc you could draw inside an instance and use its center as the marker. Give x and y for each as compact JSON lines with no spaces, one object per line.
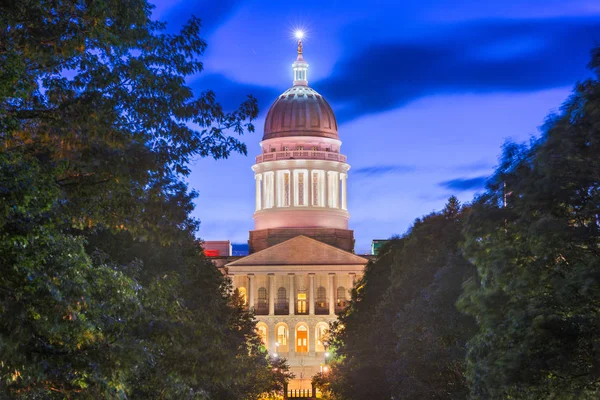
{"x":301,"y":154}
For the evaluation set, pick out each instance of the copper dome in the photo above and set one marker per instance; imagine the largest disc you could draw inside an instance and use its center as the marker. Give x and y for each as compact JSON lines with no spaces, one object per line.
{"x":300,"y":111}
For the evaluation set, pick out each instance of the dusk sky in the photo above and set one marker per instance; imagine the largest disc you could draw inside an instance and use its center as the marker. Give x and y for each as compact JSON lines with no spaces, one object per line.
{"x":425,"y":93}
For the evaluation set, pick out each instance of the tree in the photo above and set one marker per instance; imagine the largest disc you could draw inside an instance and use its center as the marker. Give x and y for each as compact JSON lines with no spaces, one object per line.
{"x":105,"y":291}
{"x":401,"y":336}
{"x":534,"y":236}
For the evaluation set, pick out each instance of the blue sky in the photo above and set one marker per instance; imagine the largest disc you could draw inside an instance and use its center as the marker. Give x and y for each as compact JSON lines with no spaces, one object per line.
{"x":425,"y":93}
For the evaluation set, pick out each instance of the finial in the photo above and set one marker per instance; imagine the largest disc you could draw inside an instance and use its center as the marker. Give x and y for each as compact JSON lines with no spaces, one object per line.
{"x":299,"y":35}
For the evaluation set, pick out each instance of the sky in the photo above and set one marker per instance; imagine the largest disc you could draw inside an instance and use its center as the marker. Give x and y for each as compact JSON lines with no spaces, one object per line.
{"x":425,"y":93}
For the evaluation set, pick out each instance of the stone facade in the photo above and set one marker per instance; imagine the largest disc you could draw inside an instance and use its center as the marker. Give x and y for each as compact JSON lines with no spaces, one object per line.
{"x":340,"y":238}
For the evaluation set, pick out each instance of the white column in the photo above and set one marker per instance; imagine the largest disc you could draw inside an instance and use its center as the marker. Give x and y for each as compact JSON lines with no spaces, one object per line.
{"x":251,"y":291}
{"x":325,"y":176}
{"x":258,"y":178}
{"x":291,"y":295}
{"x":276,"y":197}
{"x":311,"y":294}
{"x":344,"y":195}
{"x":292,"y":188}
{"x":271,"y":294}
{"x":308,"y":182}
{"x":353,"y":277}
{"x":292,"y":340}
{"x":331,"y":294}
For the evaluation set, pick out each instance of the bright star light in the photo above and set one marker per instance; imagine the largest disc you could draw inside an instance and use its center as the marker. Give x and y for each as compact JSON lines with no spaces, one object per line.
{"x":299,"y":34}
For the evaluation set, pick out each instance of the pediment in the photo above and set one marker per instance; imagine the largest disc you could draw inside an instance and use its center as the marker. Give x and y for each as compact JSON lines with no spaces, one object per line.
{"x":298,"y":251}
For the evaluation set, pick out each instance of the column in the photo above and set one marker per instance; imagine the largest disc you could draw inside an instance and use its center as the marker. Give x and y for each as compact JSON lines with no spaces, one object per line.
{"x":353,"y":277}
{"x":271,"y":337}
{"x":308,"y":189}
{"x":264,"y":193}
{"x":291,"y":295}
{"x":292,"y":188}
{"x":251,"y":291}
{"x":312,"y":341}
{"x":344,"y":195}
{"x":276,"y":196}
{"x":326,"y":191}
{"x":292,"y":340}
{"x":311,"y":294}
{"x":258,"y":178}
{"x":331,"y":294}
{"x":271,"y":294}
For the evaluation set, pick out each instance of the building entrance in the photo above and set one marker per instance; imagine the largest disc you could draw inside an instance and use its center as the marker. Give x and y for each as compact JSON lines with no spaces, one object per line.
{"x":301,"y":305}
{"x":302,"y":340}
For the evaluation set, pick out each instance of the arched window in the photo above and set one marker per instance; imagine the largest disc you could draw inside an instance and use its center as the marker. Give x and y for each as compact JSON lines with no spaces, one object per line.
{"x":282,"y":335}
{"x":262,"y":333}
{"x":341,"y":296}
{"x":321,"y":297}
{"x":302,"y":339}
{"x":322,"y":335}
{"x":262,"y":297}
{"x":281,"y":297}
{"x":243,"y":295}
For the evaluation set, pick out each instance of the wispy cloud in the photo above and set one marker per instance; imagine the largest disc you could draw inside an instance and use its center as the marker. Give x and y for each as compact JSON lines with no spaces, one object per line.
{"x":384,"y":170}
{"x":464,"y":184}
{"x":481,"y":57}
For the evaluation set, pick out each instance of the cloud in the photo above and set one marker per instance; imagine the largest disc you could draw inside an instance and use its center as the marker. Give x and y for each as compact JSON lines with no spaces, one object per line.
{"x":480,"y":57}
{"x":231,"y":93}
{"x":212,"y":13}
{"x":465,"y":184}
{"x":384,"y":169}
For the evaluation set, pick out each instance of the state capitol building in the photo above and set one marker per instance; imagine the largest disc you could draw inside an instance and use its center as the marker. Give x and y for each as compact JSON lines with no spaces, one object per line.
{"x":301,"y":266}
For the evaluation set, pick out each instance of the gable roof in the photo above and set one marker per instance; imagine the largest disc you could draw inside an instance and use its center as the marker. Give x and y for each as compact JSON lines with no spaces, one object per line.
{"x":300,"y":250}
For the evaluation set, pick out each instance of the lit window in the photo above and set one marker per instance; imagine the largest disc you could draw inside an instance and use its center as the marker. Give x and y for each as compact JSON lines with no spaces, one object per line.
{"x":341,"y":296}
{"x":321,"y":297}
{"x":262,"y":333}
{"x":286,"y":189}
{"x":286,"y":148}
{"x":282,"y":335}
{"x":299,"y":147}
{"x":301,"y":189}
{"x":243,"y":295}
{"x":315,"y":187}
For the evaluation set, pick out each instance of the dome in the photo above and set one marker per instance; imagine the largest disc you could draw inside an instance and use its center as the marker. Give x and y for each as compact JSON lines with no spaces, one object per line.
{"x":300,"y":111}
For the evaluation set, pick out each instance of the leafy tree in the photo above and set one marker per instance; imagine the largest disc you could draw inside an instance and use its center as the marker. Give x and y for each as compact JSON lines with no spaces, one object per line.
{"x":402,"y":336}
{"x":104,"y":288}
{"x":534,"y":236}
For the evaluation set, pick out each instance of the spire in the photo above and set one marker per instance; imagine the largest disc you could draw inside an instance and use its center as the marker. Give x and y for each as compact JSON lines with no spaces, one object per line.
{"x":300,"y":66}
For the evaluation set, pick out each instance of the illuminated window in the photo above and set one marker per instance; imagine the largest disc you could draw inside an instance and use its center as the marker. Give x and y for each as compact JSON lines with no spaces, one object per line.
{"x":315,"y":148}
{"x":285,"y":148}
{"x":315,"y":188}
{"x":299,"y":147}
{"x":243,"y":295}
{"x":302,"y":339}
{"x":262,"y":333}
{"x":286,"y":189}
{"x":341,"y":296}
{"x":322,"y":334}
{"x":301,"y":189}
{"x":282,"y":335}
{"x":301,"y":303}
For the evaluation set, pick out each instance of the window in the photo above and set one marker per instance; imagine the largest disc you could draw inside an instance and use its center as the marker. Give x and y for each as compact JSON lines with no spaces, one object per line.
{"x":301,"y":306}
{"x":262,"y":297}
{"x":322,"y":337}
{"x":315,"y":188}
{"x":341,"y":296}
{"x":299,"y":147}
{"x":243,"y":295}
{"x":273,"y":150}
{"x":282,"y":335}
{"x":286,"y":189}
{"x":315,"y":148}
{"x":321,"y":297}
{"x":301,"y":189}
{"x":281,"y":298}
{"x":285,"y":148}
{"x":302,"y":339}
{"x":262,"y":333}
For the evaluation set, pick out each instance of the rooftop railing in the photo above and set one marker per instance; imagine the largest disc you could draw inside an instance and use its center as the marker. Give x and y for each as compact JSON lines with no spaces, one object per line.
{"x":301,"y":154}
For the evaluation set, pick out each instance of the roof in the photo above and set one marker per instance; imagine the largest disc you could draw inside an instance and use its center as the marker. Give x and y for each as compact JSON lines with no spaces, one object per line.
{"x":300,"y":111}
{"x":300,"y":250}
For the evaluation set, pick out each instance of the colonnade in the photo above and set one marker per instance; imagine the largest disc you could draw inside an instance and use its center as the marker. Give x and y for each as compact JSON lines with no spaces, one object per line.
{"x":292,"y":292}
{"x":301,"y":188}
